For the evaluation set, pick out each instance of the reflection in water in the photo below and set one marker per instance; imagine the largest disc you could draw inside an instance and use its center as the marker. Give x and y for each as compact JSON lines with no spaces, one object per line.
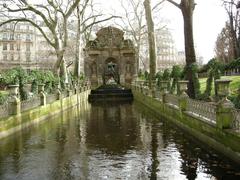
{"x":109,"y":141}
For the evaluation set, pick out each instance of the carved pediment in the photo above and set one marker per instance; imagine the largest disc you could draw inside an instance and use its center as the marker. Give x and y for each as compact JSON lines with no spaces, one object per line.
{"x":110,"y":37}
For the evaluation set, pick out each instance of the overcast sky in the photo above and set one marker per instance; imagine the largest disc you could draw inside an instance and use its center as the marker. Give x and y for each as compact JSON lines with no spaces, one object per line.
{"x":209,"y":19}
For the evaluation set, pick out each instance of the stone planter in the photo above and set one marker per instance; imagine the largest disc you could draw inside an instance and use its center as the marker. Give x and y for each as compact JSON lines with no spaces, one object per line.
{"x":222,"y":86}
{"x":183,"y":87}
{"x":41,"y":88}
{"x":13,"y":90}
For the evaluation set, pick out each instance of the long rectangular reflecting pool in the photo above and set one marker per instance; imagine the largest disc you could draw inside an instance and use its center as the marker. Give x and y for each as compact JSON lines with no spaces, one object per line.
{"x":109,"y":141}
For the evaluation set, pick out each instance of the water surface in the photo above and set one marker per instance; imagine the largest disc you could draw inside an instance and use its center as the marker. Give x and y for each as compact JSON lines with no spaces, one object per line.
{"x":111,"y":141}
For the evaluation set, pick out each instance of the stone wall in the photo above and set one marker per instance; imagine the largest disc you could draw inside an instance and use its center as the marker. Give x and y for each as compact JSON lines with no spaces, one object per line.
{"x":12,"y":124}
{"x":225,"y":141}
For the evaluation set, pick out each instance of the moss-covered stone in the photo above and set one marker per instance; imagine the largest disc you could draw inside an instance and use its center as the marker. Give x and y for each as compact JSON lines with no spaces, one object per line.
{"x":225,"y":141}
{"x":15,"y":123}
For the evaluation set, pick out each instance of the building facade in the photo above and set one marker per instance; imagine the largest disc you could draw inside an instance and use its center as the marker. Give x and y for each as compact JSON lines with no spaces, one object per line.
{"x":18,"y":45}
{"x":166,"y":52}
{"x":21,"y":44}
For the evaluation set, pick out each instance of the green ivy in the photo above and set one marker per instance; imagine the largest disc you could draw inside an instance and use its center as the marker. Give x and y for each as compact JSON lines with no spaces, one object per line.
{"x":193,"y":69}
{"x":167,"y":77}
{"x":176,"y":76}
{"x":159,"y":77}
{"x":3,"y":98}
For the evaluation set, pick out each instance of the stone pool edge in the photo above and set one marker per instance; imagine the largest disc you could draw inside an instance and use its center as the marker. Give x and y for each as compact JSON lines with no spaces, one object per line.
{"x":226,"y":142}
{"x":13,"y":124}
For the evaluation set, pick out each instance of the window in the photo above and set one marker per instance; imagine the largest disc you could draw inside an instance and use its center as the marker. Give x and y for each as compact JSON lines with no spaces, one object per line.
{"x":28,"y":57}
{"x":18,"y":36}
{"x":28,"y":38}
{"x":11,"y":26}
{"x":4,"y":26}
{"x":5,"y":57}
{"x":11,"y":36}
{"x":12,"y":57}
{"x":12,"y":47}
{"x":18,"y":47}
{"x":27,"y":47}
{"x":5,"y":36}
{"x":4,"y":46}
{"x":18,"y":27}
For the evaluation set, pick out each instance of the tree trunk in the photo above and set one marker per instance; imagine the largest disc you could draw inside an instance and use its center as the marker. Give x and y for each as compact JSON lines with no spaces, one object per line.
{"x":151,"y":42}
{"x":60,"y":67}
{"x":77,"y":53}
{"x":187,"y":11}
{"x":234,"y":37}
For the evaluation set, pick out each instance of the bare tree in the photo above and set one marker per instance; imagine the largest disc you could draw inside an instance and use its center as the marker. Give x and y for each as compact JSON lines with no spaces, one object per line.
{"x":54,"y":14}
{"x":133,"y":23}
{"x":232,"y":8}
{"x":187,"y":8}
{"x":151,"y":41}
{"x":87,"y":17}
{"x":224,"y":47}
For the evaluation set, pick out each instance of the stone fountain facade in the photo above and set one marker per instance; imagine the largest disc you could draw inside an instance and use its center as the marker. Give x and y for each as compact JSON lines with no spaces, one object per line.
{"x":110,"y":47}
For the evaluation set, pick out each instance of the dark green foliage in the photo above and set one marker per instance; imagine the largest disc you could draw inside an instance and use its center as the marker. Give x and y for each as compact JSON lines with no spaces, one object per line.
{"x":43,"y":77}
{"x":21,"y":77}
{"x":146,"y":75}
{"x":167,"y":77}
{"x":214,"y":69}
{"x":140,"y":74}
{"x":3,"y":98}
{"x":235,"y":100}
{"x":233,"y":64}
{"x":16,"y":76}
{"x":10,"y":77}
{"x":159,"y":77}
{"x":176,"y":76}
{"x":193,"y":69}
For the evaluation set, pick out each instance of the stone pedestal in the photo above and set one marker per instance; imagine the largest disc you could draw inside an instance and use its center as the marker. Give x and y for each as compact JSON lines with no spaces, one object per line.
{"x":42,"y":94}
{"x":14,"y":103}
{"x":224,"y":106}
{"x":224,"y":114}
{"x":164,"y":91}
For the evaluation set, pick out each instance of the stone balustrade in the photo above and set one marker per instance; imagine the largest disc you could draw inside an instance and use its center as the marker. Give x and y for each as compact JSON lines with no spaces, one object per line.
{"x":30,"y":103}
{"x":172,"y":99}
{"x":204,"y":110}
{"x":222,"y":114}
{"x":4,"y":110}
{"x":236,"y":119}
{"x":14,"y":106}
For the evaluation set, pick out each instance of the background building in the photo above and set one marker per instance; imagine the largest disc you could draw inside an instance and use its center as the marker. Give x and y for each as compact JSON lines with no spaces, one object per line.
{"x":18,"y":44}
{"x":21,"y":44}
{"x":166,"y":52}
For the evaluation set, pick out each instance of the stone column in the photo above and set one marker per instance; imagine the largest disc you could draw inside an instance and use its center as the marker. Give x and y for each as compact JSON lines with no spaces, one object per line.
{"x":224,"y":106}
{"x":14,"y":107}
{"x":42,"y":94}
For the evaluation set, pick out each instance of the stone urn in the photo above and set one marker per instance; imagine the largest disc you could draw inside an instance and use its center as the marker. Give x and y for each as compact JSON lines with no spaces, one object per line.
{"x":183,"y":87}
{"x":13,"y":90}
{"x":41,"y":88}
{"x":222,"y":86}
